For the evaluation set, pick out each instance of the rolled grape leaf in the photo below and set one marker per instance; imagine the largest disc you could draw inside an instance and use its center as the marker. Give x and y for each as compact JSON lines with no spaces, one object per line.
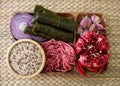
{"x":29,"y":30}
{"x":48,"y":17}
{"x":49,"y":32}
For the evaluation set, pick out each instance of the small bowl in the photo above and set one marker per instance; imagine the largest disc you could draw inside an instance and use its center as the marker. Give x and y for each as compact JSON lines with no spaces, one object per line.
{"x":42,"y":54}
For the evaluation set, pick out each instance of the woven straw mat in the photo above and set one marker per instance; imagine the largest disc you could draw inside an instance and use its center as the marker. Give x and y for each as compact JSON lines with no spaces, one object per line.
{"x":110,"y":8}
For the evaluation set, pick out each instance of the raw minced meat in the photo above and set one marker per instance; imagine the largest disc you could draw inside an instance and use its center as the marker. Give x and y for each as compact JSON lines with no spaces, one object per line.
{"x":60,"y":56}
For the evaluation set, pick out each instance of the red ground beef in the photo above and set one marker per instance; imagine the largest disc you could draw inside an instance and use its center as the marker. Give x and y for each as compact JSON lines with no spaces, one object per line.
{"x":60,"y":56}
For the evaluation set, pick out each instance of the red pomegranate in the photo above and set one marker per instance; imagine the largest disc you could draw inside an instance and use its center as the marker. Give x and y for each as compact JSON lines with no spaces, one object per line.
{"x":93,"y":52}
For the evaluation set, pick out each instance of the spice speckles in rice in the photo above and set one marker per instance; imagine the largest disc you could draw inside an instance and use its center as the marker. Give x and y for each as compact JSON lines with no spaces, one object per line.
{"x":25,"y":58}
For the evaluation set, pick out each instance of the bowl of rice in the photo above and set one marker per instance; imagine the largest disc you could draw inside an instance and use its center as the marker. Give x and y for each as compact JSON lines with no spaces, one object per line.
{"x":26,"y":58}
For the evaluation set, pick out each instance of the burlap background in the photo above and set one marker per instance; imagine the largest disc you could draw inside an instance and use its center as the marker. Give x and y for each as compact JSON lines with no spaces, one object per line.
{"x":110,"y":8}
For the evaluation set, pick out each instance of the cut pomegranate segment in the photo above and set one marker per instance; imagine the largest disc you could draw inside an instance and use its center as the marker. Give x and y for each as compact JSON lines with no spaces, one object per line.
{"x":93,"y":50}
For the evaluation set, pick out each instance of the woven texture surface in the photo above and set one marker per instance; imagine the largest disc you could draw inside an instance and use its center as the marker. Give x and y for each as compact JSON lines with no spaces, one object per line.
{"x":110,"y":8}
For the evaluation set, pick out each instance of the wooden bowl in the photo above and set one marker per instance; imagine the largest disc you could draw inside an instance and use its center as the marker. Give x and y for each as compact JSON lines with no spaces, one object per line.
{"x":42,"y":54}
